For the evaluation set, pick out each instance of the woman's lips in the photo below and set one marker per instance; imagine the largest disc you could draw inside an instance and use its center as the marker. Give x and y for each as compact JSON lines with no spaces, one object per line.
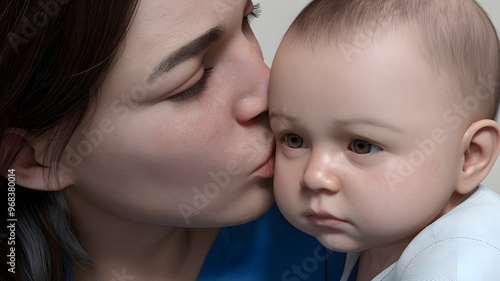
{"x":267,"y":169}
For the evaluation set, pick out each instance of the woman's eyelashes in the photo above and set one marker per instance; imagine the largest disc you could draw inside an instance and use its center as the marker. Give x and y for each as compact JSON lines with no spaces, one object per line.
{"x":194,"y":90}
{"x":199,"y":86}
{"x":254,"y":14}
{"x":363,"y":147}
{"x":294,"y":141}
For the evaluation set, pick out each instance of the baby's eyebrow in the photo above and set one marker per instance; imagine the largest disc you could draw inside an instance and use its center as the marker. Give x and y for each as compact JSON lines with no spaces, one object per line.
{"x":366,"y":122}
{"x":341,"y":123}
{"x":283,"y":115}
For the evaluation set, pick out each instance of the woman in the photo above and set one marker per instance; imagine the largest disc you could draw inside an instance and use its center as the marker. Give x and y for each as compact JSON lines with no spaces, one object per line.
{"x":138,"y":131}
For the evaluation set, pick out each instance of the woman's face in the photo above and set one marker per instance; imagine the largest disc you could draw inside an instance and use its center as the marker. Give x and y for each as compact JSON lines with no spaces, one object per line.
{"x":180,"y":136}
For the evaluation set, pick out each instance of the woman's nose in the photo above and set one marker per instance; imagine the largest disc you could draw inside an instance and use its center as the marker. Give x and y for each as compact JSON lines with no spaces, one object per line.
{"x":253,"y":83}
{"x":320,"y":174}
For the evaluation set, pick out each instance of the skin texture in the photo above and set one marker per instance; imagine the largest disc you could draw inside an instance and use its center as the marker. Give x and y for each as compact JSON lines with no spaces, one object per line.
{"x":152,"y":161}
{"x":161,"y":146}
{"x":357,"y":163}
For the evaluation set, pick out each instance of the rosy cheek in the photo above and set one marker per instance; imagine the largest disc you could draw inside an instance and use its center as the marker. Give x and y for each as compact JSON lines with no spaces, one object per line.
{"x":434,"y":172}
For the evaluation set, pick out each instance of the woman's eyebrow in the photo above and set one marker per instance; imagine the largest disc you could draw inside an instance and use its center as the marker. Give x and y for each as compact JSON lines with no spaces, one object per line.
{"x":190,"y":50}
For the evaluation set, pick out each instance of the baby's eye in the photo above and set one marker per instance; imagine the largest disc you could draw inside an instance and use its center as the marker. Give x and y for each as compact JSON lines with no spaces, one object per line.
{"x":363,"y":147}
{"x":294,"y":141}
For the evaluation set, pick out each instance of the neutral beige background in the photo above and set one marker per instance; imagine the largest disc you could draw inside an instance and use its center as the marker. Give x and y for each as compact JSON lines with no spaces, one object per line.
{"x":277,"y":15}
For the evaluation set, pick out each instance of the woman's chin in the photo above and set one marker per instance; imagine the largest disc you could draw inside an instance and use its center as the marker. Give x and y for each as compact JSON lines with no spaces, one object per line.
{"x":233,"y":215}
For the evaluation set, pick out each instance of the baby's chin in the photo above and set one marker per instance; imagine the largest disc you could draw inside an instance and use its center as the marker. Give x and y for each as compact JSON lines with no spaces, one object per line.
{"x":340,"y":244}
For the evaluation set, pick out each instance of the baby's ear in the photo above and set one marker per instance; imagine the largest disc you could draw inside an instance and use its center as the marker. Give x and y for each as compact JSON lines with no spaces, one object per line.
{"x":481,"y":145}
{"x":29,"y":172}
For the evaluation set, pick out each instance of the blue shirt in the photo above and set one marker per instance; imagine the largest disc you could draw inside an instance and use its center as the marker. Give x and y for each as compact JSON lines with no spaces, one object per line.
{"x":269,"y":249}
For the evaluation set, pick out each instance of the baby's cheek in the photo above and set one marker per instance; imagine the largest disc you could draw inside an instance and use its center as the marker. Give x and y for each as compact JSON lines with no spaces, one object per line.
{"x":285,"y":185}
{"x":432,"y":170}
{"x":282,"y":184}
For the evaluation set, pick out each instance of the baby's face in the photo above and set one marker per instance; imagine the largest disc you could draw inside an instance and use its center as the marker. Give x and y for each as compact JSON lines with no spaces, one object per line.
{"x":366,"y":154}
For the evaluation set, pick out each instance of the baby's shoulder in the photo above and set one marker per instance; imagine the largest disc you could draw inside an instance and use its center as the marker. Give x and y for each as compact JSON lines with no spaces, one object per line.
{"x":462,"y":245}
{"x":461,"y":257}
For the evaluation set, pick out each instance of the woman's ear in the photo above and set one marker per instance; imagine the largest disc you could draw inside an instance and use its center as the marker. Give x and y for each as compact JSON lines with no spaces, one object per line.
{"x":481,"y":145}
{"x":29,"y":172}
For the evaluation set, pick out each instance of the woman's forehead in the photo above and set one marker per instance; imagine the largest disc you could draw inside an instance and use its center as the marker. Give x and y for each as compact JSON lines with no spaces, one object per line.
{"x":161,"y":27}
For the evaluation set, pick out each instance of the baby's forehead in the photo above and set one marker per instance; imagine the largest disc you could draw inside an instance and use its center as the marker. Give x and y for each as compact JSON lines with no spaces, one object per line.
{"x":396,"y":49}
{"x":455,"y":37}
{"x":393,"y":64}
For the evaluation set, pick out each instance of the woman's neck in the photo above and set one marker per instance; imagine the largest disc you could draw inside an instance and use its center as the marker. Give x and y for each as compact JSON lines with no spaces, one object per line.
{"x":121,"y":248}
{"x":179,"y":257}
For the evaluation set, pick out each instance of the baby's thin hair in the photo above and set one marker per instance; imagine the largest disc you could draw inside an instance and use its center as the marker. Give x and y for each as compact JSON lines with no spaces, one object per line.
{"x":456,"y":37}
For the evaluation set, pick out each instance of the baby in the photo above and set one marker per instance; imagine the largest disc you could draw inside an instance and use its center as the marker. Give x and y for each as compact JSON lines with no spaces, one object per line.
{"x":383,"y":112}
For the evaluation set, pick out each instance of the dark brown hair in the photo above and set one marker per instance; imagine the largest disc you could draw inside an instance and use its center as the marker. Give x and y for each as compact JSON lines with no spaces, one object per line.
{"x":53,"y":58}
{"x":456,"y":36}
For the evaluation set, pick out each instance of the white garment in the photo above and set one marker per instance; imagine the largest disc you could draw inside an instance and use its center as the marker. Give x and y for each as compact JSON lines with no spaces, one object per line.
{"x":463,"y":245}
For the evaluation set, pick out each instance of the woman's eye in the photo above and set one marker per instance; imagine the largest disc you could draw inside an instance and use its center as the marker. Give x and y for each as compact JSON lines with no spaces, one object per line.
{"x":194,"y":90}
{"x":254,"y":14}
{"x":363,"y":147}
{"x":294,"y":141}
